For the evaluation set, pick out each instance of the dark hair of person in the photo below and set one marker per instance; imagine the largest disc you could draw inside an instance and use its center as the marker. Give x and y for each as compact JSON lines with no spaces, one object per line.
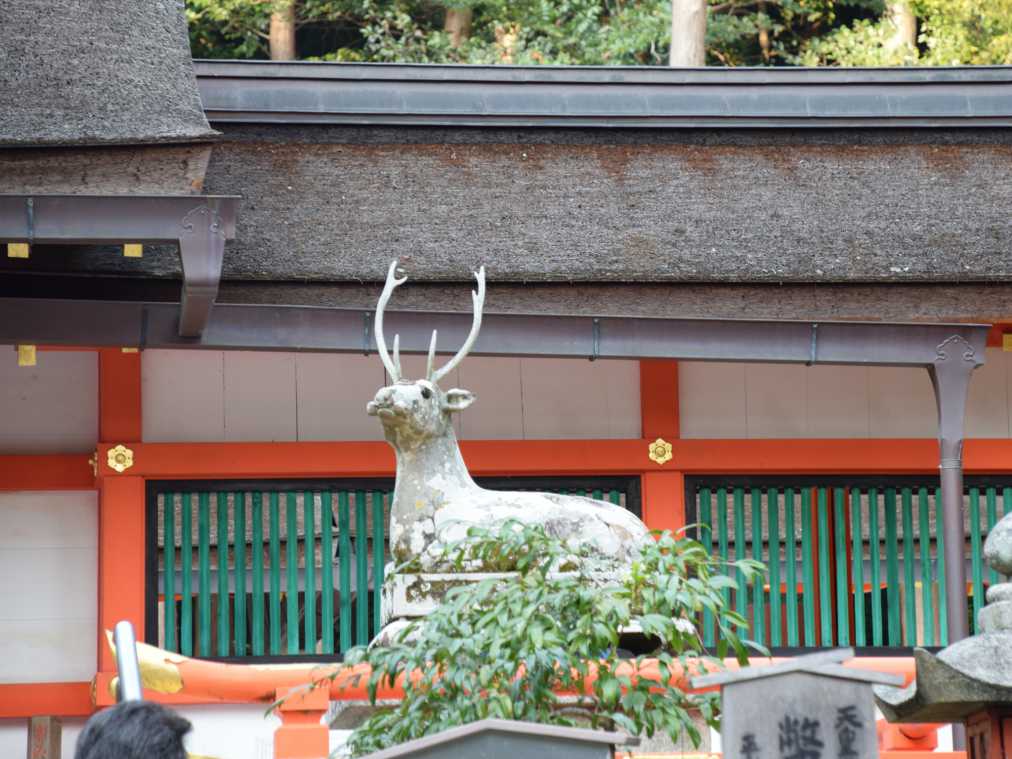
{"x":133,"y":730}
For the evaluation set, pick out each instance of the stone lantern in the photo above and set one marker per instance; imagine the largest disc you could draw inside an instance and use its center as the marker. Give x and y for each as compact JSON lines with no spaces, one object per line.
{"x":969,"y":682}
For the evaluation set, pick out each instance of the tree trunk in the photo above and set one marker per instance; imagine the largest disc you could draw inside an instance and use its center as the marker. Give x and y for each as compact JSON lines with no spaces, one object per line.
{"x":764,"y":36}
{"x":688,"y":32}
{"x":282,"y":34}
{"x":458,"y":25}
{"x":904,"y":24}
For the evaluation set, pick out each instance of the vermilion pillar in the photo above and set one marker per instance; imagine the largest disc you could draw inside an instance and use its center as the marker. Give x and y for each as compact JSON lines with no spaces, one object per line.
{"x":121,"y":536}
{"x":664,"y":488}
{"x":120,"y":558}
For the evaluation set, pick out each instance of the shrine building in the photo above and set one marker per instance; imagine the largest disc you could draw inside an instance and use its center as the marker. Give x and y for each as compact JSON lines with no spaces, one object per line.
{"x":768,"y":304}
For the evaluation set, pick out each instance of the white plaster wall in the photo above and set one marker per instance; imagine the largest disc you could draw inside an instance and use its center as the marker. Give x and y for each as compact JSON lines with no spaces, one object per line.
{"x":232,"y":731}
{"x":734,"y":400}
{"x":253,"y":396}
{"x":574,"y":398}
{"x":14,"y":737}
{"x":51,"y":407}
{"x":48,"y":586}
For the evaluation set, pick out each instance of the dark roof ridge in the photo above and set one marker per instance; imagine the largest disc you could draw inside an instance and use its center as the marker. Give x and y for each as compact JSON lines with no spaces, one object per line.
{"x":304,"y":92}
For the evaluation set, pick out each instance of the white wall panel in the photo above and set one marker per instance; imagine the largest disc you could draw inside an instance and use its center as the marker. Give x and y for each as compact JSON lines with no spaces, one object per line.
{"x":199,"y":395}
{"x":711,"y":400}
{"x":775,"y":400}
{"x":837,"y":401}
{"x":51,"y":407}
{"x":260,"y":396}
{"x":901,"y":403}
{"x":621,"y":380}
{"x":498,"y":412}
{"x":183,"y":395}
{"x":719,"y":400}
{"x":47,"y":583}
{"x":49,"y":519}
{"x":14,"y":738}
{"x":332,"y":392}
{"x":987,"y":407}
{"x":571,"y":398}
{"x":47,"y":650}
{"x":48,"y":586}
{"x":230,"y":731}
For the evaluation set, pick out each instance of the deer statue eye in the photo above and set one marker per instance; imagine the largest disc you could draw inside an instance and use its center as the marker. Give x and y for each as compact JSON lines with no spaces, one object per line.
{"x":426,"y":393}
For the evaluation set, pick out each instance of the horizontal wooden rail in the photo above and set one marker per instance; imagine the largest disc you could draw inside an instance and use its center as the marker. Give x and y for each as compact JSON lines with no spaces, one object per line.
{"x":46,"y":472}
{"x":516,"y":457}
{"x":56,"y":699}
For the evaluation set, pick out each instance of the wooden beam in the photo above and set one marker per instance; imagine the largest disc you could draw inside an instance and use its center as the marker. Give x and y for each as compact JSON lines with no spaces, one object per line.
{"x":558,"y":457}
{"x":375,"y":459}
{"x":52,"y":472}
{"x":58,"y":699}
{"x":659,"y":399}
{"x":119,"y":390}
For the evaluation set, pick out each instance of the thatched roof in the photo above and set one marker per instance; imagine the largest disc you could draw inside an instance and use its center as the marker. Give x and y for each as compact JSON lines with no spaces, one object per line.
{"x":77,"y":72}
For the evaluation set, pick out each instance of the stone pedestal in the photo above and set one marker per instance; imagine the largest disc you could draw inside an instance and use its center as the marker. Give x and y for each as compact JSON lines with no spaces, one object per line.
{"x":410,"y":596}
{"x":407,"y":597}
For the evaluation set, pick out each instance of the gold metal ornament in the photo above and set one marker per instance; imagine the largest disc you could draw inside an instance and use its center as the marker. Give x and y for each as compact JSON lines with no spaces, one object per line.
{"x":27,"y":355}
{"x":120,"y":458}
{"x":660,"y":451}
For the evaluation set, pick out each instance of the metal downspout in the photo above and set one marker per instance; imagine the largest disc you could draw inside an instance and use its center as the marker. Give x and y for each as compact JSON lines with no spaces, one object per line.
{"x":954,"y":363}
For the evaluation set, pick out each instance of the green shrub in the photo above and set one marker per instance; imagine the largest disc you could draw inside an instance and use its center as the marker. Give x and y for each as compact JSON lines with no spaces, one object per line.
{"x":543,"y":644}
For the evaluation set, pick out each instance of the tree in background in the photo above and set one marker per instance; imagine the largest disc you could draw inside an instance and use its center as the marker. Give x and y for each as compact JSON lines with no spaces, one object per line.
{"x":608,"y":32}
{"x":920,"y":32}
{"x":688,"y":33}
{"x":267,"y":28}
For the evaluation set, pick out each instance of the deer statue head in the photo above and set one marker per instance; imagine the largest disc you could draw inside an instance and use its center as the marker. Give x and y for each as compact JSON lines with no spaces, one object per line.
{"x":415,"y":411}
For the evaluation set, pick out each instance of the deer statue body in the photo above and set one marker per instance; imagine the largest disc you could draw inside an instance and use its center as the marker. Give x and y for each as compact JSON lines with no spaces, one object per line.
{"x":435,"y":500}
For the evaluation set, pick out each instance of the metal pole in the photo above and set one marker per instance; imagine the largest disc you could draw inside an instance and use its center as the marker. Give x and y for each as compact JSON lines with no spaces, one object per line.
{"x":954,"y":362}
{"x":951,"y":470}
{"x":950,"y":376}
{"x":129,"y":687}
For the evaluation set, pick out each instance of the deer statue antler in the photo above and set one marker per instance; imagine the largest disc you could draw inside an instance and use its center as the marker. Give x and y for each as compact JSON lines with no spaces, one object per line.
{"x":478,"y":298}
{"x":393,"y":367}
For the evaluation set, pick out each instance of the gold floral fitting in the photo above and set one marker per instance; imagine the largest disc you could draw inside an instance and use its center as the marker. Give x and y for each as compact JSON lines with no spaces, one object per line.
{"x":660,"y":451}
{"x":120,"y":458}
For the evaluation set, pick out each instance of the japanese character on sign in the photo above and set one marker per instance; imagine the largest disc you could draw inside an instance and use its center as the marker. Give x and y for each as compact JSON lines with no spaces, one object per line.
{"x":799,"y":738}
{"x":847,"y":724}
{"x":749,"y":748}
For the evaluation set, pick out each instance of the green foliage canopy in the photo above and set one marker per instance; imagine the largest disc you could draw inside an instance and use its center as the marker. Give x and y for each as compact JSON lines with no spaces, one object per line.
{"x":585,"y":32}
{"x":542,"y":645}
{"x":610,"y":32}
{"x":950,"y":33}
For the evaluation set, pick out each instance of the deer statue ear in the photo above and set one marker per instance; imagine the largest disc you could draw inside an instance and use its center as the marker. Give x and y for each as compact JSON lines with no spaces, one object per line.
{"x":457,"y":399}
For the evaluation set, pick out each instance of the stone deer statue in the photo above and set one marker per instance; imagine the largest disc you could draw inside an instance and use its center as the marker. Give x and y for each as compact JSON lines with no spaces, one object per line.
{"x":435,"y":500}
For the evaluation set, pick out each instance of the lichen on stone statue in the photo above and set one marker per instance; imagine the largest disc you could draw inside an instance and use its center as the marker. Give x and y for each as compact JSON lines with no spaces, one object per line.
{"x":435,"y":499}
